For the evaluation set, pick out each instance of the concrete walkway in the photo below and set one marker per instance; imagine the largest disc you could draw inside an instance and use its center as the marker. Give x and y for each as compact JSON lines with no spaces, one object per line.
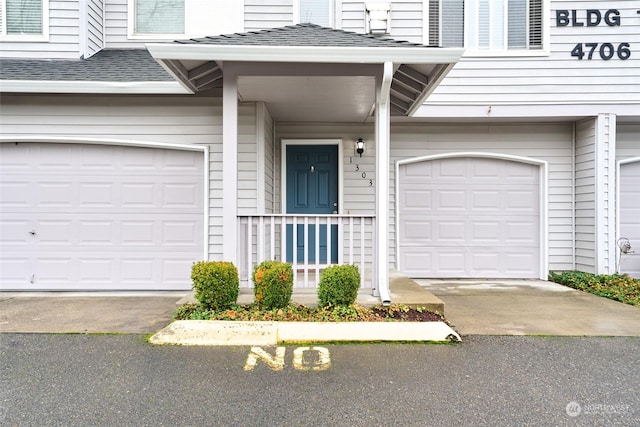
{"x":530,"y":307}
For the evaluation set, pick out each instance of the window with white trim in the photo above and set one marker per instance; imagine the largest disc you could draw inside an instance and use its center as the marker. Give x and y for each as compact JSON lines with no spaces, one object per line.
{"x":315,"y":12}
{"x":158,"y":17}
{"x":24,"y":19}
{"x":486,"y":24}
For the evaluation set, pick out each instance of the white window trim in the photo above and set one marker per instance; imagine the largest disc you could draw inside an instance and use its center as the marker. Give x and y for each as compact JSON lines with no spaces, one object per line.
{"x":43,"y":37}
{"x":131,"y":25}
{"x":502,"y":53}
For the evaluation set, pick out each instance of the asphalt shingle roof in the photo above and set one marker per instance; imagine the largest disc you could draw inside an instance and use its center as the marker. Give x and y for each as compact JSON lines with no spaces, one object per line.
{"x":109,"y":65}
{"x":301,"y":35}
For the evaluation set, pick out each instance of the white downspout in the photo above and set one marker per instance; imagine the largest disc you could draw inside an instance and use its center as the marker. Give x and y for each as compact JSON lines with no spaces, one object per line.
{"x":383,"y":117}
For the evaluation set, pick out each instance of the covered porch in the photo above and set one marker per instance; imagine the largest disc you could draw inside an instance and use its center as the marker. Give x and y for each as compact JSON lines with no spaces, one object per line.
{"x":306,"y":74}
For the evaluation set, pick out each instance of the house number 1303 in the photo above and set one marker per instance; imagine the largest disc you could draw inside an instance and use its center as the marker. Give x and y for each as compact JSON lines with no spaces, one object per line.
{"x":364,"y":175}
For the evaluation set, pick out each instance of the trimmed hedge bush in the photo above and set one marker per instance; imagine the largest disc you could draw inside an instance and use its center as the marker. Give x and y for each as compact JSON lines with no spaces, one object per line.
{"x":273,"y":284}
{"x":338,"y":285}
{"x":215,"y":283}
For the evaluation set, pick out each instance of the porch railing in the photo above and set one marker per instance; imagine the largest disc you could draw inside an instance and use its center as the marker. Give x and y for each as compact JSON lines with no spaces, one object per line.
{"x":309,"y":242}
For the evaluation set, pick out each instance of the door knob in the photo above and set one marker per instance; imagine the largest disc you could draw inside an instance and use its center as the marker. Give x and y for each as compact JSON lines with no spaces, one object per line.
{"x":32,"y":232}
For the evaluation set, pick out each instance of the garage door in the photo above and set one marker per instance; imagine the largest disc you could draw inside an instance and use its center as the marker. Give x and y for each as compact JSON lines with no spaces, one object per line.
{"x":98,"y":217}
{"x":469,"y":217}
{"x":630,"y":216}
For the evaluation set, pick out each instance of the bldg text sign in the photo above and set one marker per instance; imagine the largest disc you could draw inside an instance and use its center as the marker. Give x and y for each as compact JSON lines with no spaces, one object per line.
{"x":595,"y":18}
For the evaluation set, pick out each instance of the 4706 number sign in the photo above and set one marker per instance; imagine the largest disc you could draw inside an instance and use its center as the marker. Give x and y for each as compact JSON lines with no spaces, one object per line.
{"x":606,"y":51}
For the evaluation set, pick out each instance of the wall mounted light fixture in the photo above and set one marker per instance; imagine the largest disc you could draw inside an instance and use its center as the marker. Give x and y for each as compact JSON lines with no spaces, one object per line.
{"x":360,"y":146}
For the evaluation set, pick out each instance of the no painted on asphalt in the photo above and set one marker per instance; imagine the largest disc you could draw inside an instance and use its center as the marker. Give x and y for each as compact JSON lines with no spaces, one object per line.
{"x":303,"y":359}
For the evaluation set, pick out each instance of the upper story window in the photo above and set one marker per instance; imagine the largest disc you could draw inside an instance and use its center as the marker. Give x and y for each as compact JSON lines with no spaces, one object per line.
{"x":486,"y":25}
{"x":158,"y":17}
{"x":317,"y":12}
{"x":24,"y":20}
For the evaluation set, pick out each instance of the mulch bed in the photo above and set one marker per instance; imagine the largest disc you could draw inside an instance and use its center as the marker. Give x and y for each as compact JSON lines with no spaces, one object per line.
{"x":411,"y":315}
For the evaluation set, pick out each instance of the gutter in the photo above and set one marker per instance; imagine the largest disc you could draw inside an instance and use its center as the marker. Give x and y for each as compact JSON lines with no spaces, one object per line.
{"x":57,"y":86}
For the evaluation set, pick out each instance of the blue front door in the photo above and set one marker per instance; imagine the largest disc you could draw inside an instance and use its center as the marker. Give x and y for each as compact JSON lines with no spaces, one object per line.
{"x":312,"y":188}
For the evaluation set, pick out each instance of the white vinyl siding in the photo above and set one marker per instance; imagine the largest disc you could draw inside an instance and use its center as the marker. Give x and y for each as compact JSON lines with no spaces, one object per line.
{"x":264,"y":14}
{"x":95,"y":26}
{"x":556,"y":79}
{"x":269,"y":165}
{"x":585,"y":193}
{"x":351,"y":16}
{"x":172,"y":120}
{"x":594,"y":194}
{"x":247,"y":160}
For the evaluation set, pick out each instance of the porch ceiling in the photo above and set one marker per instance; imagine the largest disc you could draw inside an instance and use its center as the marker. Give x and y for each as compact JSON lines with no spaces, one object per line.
{"x":322,"y":93}
{"x":309,"y":73}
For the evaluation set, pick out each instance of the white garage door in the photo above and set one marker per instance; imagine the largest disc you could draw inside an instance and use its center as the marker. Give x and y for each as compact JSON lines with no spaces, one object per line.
{"x":630,"y":216}
{"x":98,"y":217}
{"x":469,"y":217}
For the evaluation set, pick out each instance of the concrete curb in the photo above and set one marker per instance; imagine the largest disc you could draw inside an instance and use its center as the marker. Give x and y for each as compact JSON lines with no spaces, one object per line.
{"x":220,"y":332}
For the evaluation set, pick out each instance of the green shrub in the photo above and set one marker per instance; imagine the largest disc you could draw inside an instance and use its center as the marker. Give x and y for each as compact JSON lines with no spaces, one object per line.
{"x":339,"y":285}
{"x":273,"y":284}
{"x":215,"y":283}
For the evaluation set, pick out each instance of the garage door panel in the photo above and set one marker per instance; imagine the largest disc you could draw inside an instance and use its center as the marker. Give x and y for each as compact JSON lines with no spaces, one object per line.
{"x":484,"y":232}
{"x":451,"y":231}
{"x":451,"y":200}
{"x":485,"y":225}
{"x":97,"y":227}
{"x":417,"y":199}
{"x":630,"y":216}
{"x":415,"y":230}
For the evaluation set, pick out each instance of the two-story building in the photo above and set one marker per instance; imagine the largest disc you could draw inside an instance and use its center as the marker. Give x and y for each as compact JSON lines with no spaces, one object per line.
{"x":441,"y":138}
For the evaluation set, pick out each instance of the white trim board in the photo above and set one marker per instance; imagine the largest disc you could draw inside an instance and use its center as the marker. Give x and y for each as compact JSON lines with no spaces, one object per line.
{"x":544,"y":200}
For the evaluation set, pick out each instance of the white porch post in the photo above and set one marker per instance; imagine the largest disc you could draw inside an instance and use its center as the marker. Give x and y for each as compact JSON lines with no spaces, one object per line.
{"x":382,"y":182}
{"x":229,"y":166}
